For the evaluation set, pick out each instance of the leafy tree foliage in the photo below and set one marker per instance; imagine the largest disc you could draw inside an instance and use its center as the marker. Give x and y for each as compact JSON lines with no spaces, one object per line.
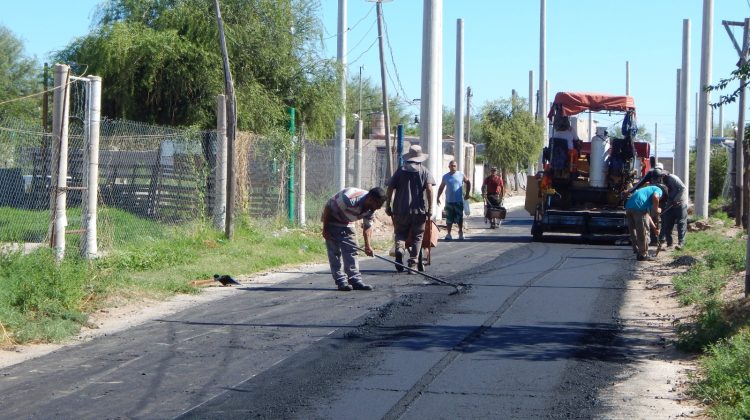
{"x":19,"y":77}
{"x":160,"y":62}
{"x":509,"y":133}
{"x":737,"y":74}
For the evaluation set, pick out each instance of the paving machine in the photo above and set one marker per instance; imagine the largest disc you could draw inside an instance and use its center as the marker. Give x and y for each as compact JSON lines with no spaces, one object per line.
{"x":580,"y":187}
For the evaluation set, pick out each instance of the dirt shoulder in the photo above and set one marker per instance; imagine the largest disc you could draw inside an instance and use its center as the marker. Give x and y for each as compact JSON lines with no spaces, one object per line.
{"x":655,"y":383}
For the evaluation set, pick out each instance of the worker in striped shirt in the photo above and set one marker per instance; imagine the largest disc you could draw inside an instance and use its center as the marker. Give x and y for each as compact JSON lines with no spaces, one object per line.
{"x":339,"y":215}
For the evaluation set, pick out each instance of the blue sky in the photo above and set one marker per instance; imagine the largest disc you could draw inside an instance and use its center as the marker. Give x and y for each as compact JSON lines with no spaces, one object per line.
{"x":588,"y":43}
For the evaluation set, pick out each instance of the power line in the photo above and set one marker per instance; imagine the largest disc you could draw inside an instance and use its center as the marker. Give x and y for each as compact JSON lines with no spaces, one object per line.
{"x":364,"y":52}
{"x":393,"y":61}
{"x":350,"y":28}
{"x":369,"y":31}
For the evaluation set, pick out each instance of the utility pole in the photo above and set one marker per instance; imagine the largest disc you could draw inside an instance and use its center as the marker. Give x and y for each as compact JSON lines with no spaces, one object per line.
{"x":231,"y":126}
{"x":432,"y":86}
{"x":677,"y":123}
{"x":359,"y":113}
{"x":340,"y":146}
{"x":532,"y":165}
{"x":542,"y":102}
{"x":468,"y":114}
{"x":656,"y":140}
{"x":384,"y":87}
{"x":459,"y":108}
{"x":704,"y":129}
{"x":683,"y":147}
{"x":739,"y":156}
{"x":627,"y":78}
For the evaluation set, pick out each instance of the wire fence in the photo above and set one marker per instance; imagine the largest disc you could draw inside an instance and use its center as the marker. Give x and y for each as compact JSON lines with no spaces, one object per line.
{"x":152,"y":178}
{"x":149,"y":177}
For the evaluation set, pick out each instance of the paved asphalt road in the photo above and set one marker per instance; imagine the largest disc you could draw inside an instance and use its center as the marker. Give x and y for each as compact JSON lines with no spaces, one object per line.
{"x":535,"y":335}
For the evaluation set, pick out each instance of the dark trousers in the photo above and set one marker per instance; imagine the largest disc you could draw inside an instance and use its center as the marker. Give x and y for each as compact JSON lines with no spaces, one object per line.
{"x":409,"y":226}
{"x":677,"y":215}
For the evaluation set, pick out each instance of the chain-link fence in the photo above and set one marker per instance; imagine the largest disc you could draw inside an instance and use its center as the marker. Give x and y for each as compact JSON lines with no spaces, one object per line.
{"x":151,"y":177}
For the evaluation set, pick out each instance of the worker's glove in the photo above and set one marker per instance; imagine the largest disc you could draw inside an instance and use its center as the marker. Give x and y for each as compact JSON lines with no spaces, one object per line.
{"x":389,"y":211}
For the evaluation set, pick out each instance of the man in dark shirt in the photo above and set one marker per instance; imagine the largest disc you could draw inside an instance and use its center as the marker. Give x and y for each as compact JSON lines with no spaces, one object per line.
{"x":675,"y":212}
{"x":410,"y":190}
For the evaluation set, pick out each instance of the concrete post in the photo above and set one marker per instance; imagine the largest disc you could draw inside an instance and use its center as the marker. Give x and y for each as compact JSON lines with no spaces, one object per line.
{"x":684,"y":149}
{"x":677,"y":123}
{"x":459,"y":110}
{"x":739,"y":141}
{"x":704,"y":120}
{"x":627,"y":78}
{"x":340,"y":147}
{"x":432,"y":83}
{"x":220,"y":176}
{"x":61,"y":110}
{"x":358,"y":153}
{"x":542,"y":103}
{"x":89,"y":248}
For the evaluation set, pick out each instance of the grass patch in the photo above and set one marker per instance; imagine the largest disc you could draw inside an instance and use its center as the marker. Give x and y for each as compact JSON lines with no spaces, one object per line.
{"x":725,"y":382}
{"x":41,"y":301}
{"x":719,"y":329}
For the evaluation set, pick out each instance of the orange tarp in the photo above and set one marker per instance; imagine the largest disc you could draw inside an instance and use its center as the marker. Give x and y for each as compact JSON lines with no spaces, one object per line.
{"x":572,"y":103}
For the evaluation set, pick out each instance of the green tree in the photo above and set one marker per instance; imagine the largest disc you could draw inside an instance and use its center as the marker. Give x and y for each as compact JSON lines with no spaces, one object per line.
{"x":510,"y":135}
{"x":160,"y":62}
{"x":19,"y":77}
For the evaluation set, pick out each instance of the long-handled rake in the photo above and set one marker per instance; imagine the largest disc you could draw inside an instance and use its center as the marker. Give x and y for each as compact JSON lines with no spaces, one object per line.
{"x":459,"y":287}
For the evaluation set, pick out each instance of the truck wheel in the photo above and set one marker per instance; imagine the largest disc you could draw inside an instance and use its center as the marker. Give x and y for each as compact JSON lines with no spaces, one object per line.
{"x":536,"y":232}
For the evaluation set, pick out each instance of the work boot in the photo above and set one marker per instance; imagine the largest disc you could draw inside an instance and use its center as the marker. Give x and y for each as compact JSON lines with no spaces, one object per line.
{"x":679,"y":246}
{"x":399,"y":260}
{"x":645,"y":258}
{"x":413,"y":266}
{"x":448,"y":237}
{"x":460,"y":236}
{"x":358,"y":285}
{"x":343,"y":287}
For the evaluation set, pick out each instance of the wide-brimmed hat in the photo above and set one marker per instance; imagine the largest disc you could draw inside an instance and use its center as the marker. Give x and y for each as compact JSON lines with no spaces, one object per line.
{"x":415,"y":154}
{"x":659,"y":165}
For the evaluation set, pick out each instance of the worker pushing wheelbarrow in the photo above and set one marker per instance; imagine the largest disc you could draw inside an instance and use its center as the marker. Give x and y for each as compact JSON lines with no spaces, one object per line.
{"x":493,"y":191}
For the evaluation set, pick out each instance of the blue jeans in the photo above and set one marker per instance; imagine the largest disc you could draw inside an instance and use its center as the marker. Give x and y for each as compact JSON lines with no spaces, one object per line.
{"x":677,"y":215}
{"x":342,"y":246}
